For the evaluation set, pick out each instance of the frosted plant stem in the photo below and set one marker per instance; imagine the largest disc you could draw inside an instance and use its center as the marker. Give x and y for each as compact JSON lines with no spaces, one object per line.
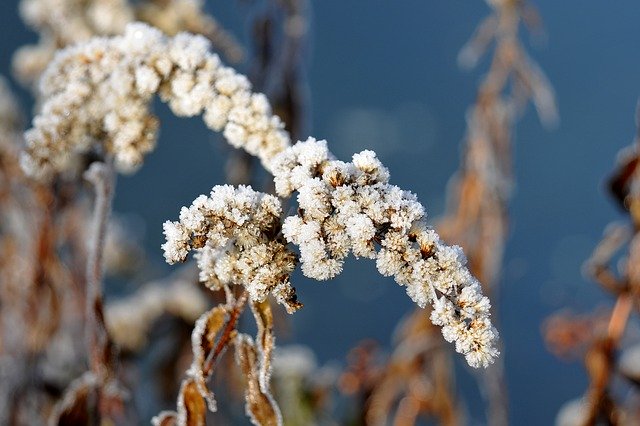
{"x":102,"y":177}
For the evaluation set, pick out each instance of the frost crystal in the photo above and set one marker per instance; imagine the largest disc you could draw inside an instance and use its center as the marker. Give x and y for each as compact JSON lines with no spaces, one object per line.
{"x":351,"y":207}
{"x":235,"y":233}
{"x":98,"y":96}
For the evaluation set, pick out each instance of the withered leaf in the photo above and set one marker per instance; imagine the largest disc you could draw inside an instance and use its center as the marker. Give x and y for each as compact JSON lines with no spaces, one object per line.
{"x":192,"y":409}
{"x":79,"y":403}
{"x":165,"y":418}
{"x":213,"y":321}
{"x":203,"y":339}
{"x":265,"y":340}
{"x":260,"y":406}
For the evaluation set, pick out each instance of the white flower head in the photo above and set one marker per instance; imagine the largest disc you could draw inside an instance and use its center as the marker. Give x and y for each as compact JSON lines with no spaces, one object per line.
{"x":351,"y":208}
{"x":235,"y":234}
{"x":97,"y":95}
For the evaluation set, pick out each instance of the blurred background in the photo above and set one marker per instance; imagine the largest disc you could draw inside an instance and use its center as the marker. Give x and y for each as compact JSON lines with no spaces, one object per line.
{"x":383,"y":75}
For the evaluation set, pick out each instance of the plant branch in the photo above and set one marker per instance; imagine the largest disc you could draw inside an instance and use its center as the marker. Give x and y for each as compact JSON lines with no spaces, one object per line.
{"x":227,"y":334}
{"x":102,"y":177}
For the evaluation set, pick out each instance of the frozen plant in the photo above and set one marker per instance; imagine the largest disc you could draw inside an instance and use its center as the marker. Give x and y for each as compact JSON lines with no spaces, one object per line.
{"x":235,"y":233}
{"x":343,"y":208}
{"x":115,"y":79}
{"x":97,"y":98}
{"x":351,"y":207}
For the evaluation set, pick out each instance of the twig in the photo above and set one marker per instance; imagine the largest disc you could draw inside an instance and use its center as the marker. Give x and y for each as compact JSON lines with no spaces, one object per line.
{"x":227,"y":334}
{"x":102,"y":177}
{"x":600,"y":363}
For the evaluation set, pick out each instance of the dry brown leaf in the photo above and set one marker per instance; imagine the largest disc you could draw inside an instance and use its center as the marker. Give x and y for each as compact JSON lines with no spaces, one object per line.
{"x":260,"y":406}
{"x":79,"y":403}
{"x":203,"y":341}
{"x":165,"y":418}
{"x":192,"y":408}
{"x":265,"y":340}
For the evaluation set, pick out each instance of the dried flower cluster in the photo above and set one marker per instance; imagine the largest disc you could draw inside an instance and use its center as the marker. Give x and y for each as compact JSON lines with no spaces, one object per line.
{"x":477,"y":217}
{"x":235,"y":235}
{"x":61,"y":23}
{"x":351,"y":207}
{"x":345,"y":206}
{"x":98,"y":96}
{"x":96,"y":99}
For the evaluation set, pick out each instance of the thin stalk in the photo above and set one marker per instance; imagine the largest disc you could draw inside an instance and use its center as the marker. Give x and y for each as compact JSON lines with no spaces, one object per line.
{"x":102,"y":177}
{"x":227,"y":334}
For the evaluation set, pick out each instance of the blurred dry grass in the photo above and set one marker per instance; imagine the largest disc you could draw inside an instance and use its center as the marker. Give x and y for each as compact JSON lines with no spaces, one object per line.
{"x":601,"y":338}
{"x":476,"y":218}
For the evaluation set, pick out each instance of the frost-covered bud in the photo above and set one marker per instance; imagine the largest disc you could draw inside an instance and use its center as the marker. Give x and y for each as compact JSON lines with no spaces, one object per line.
{"x":371,"y":168}
{"x":314,"y":199}
{"x":362,"y":233}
